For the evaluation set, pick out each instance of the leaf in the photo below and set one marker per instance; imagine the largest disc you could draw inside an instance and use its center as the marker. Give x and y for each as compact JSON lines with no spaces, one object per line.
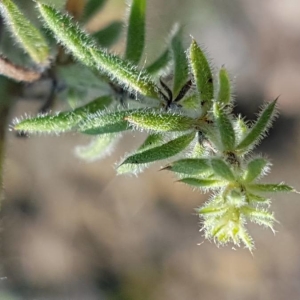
{"x":190,"y":166}
{"x":107,"y":36}
{"x":224,"y":95}
{"x":125,"y":74}
{"x":222,"y":170}
{"x":91,"y":8}
{"x":256,"y":198}
{"x":255,"y":169}
{"x":257,"y":132}
{"x":225,"y":128}
{"x":99,"y":147}
{"x":61,"y":122}
{"x":136,"y":31}
{"x":190,"y":102}
{"x":159,"y":121}
{"x":270,"y":188}
{"x":153,"y":140}
{"x":241,"y":128}
{"x":203,"y":183}
{"x":202,"y":74}
{"x":68,"y":33}
{"x":27,"y":35}
{"x":81,"y":46}
{"x":213,"y":210}
{"x":180,"y":63}
{"x":164,"y":151}
{"x":160,"y":63}
{"x":105,"y":122}
{"x":257,"y":213}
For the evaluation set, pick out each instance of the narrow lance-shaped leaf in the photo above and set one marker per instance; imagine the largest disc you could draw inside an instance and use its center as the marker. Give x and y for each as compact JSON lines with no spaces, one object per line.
{"x":99,"y":147}
{"x":27,"y":35}
{"x":136,"y":31}
{"x":202,"y":75}
{"x":160,"y":121}
{"x":270,"y":188}
{"x":241,"y":128}
{"x":221,"y":169}
{"x":213,"y":210}
{"x":225,"y":128}
{"x":107,"y":36}
{"x":63,"y":121}
{"x":105,"y":122}
{"x":190,"y":166}
{"x":153,"y":140}
{"x":81,"y":46}
{"x":161,"y":152}
{"x":91,"y":8}
{"x":180,"y":62}
{"x":257,"y":213}
{"x":256,"y":198}
{"x":260,"y":127}
{"x":255,"y":169}
{"x":68,"y":33}
{"x":203,"y":183}
{"x":160,"y":63}
{"x":224,"y":95}
{"x":125,"y":73}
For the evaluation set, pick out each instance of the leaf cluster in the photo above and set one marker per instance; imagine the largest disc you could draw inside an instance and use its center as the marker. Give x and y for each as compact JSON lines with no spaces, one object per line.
{"x":188,"y":121}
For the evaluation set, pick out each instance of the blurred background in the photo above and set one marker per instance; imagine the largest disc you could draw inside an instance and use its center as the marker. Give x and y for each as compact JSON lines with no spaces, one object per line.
{"x":73,"y":230}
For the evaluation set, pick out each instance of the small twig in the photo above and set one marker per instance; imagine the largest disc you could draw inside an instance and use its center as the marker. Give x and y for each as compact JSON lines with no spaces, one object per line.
{"x":8,"y":69}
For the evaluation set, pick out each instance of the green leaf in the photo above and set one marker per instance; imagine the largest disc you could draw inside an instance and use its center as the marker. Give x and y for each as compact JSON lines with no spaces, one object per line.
{"x":125,"y":74}
{"x":255,"y":169}
{"x":136,"y":31}
{"x":190,"y":166}
{"x":161,"y":152}
{"x":153,"y":140}
{"x":225,"y":128}
{"x":99,"y":147}
{"x":241,"y":128}
{"x":256,"y":198}
{"x":28,"y":36}
{"x":105,"y":122}
{"x":202,"y":75}
{"x":213,"y":210}
{"x":107,"y":36}
{"x":190,"y":102}
{"x":257,"y":132}
{"x":224,"y":95}
{"x":270,"y":188}
{"x":222,"y":170}
{"x":68,"y":33}
{"x":180,"y":63}
{"x":257,"y":213}
{"x":203,"y":183}
{"x":160,"y":63}
{"x":91,"y":8}
{"x":61,"y":122}
{"x":160,"y":121}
